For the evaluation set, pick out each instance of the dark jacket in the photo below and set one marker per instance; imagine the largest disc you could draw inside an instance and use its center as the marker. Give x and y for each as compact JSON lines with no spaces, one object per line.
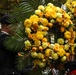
{"x":7,"y":58}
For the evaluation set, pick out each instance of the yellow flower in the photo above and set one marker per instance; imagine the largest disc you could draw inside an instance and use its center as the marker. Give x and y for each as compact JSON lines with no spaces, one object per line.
{"x":27,"y":23}
{"x":66,"y":47}
{"x":66,"y":23}
{"x":58,"y":9}
{"x":52,"y":21}
{"x":34,"y":18}
{"x":41,"y":7}
{"x":50,"y":4}
{"x":63,"y":58}
{"x":54,"y":56}
{"x":28,"y":30}
{"x":67,"y":54}
{"x":48,"y":52}
{"x":59,"y":15}
{"x":45,"y":33}
{"x":40,"y":55}
{"x":67,"y":35}
{"x":34,"y":54}
{"x":41,"y":64}
{"x":41,"y":27}
{"x":39,"y":13}
{"x":66,"y":16}
{"x":61,"y":52}
{"x":50,"y":11}
{"x":39,"y":35}
{"x":44,"y":45}
{"x":56,"y":47}
{"x":37,"y":42}
{"x":33,"y":37}
{"x":60,"y":40}
{"x":52,"y":46}
{"x":62,"y":29}
{"x":53,"y":15}
{"x":44,"y":40}
{"x":59,"y":19}
{"x":43,"y":21}
{"x":27,"y":43}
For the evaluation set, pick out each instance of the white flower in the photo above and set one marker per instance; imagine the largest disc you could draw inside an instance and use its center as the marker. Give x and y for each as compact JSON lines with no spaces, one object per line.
{"x":58,"y":9}
{"x":37,"y":12}
{"x":50,"y":4}
{"x":52,"y":46}
{"x":41,"y":7}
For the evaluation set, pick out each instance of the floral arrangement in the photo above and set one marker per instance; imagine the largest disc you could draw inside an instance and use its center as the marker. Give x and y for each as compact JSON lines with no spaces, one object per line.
{"x":50,"y":35}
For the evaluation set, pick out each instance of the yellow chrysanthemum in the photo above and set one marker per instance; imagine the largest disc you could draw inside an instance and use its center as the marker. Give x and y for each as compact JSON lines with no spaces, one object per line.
{"x":56,"y":47}
{"x":37,"y":42}
{"x":67,"y":35}
{"x":67,"y":16}
{"x":66,"y":47}
{"x":59,"y":19}
{"x":27,"y":43}
{"x":41,"y":7}
{"x":41,"y":64}
{"x":28,"y":30}
{"x":34,"y":18}
{"x":44,"y":45}
{"x":40,"y":55}
{"x":61,"y":52}
{"x":50,"y":11}
{"x":63,"y":58}
{"x":39,"y":35}
{"x":60,"y":40}
{"x":39,"y":13}
{"x":33,"y":37}
{"x":34,"y":54}
{"x":43,"y":21}
{"x":41,"y":27}
{"x":54,"y":56}
{"x":47,"y":52}
{"x":27,"y":23}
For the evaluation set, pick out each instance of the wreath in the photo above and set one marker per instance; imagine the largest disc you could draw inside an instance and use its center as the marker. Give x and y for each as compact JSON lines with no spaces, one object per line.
{"x":50,"y":36}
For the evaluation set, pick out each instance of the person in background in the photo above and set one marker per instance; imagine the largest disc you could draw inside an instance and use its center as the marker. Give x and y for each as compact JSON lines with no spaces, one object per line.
{"x":7,"y":57}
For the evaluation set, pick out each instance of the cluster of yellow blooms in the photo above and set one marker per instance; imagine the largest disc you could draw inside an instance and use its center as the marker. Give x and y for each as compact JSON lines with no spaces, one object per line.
{"x":72,"y":7}
{"x":37,"y":27}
